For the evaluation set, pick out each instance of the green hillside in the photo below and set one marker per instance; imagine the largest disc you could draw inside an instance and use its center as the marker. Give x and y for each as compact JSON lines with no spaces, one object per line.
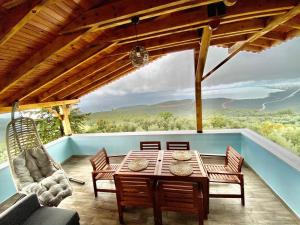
{"x":186,"y":108}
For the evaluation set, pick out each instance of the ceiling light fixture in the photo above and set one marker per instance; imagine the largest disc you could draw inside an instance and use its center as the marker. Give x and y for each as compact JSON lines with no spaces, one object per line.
{"x":138,"y":55}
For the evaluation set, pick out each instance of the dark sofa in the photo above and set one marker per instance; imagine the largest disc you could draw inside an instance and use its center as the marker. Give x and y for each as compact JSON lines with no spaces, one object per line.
{"x":29,"y":212}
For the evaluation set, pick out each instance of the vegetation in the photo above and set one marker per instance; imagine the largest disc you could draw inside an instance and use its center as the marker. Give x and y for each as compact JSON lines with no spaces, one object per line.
{"x":282,"y":127}
{"x":50,"y":128}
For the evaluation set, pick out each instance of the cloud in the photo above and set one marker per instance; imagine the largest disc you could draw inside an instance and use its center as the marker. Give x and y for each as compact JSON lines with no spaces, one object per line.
{"x":172,"y":77}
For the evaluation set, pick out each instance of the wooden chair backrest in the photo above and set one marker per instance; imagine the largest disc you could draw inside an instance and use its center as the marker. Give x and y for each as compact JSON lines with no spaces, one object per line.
{"x":100,"y":160}
{"x":134,"y":191}
{"x":178,"y":196}
{"x":178,"y":145}
{"x":233,"y":159}
{"x":150,"y":145}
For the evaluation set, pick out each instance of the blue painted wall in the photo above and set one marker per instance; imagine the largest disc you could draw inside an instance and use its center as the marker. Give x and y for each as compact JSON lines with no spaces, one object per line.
{"x":280,"y":176}
{"x":60,"y":149}
{"x":7,"y":187}
{"x":121,"y":144}
{"x":283,"y":179}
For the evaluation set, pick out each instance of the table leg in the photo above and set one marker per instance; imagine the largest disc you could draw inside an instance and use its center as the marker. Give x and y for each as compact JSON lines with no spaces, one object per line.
{"x":205,"y":186}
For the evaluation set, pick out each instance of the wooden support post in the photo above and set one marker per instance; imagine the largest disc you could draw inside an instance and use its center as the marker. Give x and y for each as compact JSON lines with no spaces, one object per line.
{"x":205,"y":42}
{"x":65,"y":111}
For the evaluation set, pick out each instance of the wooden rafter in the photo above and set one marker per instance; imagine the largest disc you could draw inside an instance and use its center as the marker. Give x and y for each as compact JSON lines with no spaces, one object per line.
{"x":73,"y":80}
{"x":273,"y":24}
{"x":40,"y":105}
{"x":241,"y":11}
{"x":160,"y":43}
{"x":97,"y":76}
{"x":96,"y":52}
{"x":100,"y":83}
{"x":24,"y":13}
{"x":65,"y":68}
{"x":117,"y":13}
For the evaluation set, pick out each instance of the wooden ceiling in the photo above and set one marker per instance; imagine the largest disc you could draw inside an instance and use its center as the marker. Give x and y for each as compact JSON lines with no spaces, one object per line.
{"x":57,"y":50}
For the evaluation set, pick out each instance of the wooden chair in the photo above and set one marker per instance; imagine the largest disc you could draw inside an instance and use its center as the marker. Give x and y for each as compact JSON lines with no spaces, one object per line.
{"x":150,"y":145}
{"x":178,"y":145}
{"x":102,"y":170}
{"x":230,"y":172}
{"x":179,"y":197}
{"x":134,"y":191}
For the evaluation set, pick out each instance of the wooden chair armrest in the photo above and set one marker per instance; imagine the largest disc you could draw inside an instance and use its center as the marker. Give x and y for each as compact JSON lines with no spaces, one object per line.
{"x":212,"y":155}
{"x":102,"y":171}
{"x":113,"y":156}
{"x":225,"y":173}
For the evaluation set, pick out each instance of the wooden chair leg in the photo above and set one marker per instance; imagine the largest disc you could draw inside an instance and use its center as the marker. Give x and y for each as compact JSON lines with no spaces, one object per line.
{"x":120,"y":210}
{"x":158,"y":217}
{"x":201,"y":212}
{"x":242,"y":192}
{"x":95,"y":187}
{"x":155,"y":215}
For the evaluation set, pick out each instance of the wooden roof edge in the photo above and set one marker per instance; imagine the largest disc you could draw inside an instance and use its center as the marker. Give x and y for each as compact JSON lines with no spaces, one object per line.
{"x":39,"y":105}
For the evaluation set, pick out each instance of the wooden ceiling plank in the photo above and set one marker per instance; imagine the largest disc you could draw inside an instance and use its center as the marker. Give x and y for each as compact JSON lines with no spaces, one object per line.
{"x":243,"y":8}
{"x":117,"y":13}
{"x":21,"y":23}
{"x":293,"y":34}
{"x":94,"y":87}
{"x":60,"y":70}
{"x":100,"y":75}
{"x":77,"y":78}
{"x":35,"y":60}
{"x":273,"y":24}
{"x":40,"y":105}
{"x":191,"y":37}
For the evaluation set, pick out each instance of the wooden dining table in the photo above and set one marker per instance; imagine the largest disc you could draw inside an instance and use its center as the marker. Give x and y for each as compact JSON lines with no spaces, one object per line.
{"x":158,"y":168}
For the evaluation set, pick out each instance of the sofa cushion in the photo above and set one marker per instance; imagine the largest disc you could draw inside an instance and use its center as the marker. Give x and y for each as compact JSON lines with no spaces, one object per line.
{"x":19,"y":212}
{"x":51,"y":216}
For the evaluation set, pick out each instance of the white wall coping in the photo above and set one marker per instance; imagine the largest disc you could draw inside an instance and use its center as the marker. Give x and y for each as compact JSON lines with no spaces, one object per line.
{"x":146,"y":133}
{"x":280,"y":152}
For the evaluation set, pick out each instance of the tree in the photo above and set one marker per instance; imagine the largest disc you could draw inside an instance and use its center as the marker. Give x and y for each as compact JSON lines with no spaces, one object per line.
{"x":50,"y":128}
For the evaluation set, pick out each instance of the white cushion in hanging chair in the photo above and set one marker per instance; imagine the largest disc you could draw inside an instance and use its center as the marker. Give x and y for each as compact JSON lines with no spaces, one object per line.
{"x":35,"y":173}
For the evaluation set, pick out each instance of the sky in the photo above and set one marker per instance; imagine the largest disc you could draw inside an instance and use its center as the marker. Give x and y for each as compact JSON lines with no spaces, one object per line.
{"x":172,"y":77}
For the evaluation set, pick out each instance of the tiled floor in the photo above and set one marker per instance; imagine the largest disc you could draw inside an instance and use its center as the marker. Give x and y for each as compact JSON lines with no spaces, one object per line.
{"x":262,"y":206}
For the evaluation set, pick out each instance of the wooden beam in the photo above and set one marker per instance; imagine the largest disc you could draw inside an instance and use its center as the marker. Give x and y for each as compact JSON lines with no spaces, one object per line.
{"x":78,"y":77}
{"x":242,"y":10}
{"x":65,"y":111}
{"x":94,"y":86}
{"x":106,"y":80}
{"x":65,"y":68}
{"x":55,"y":113}
{"x":271,"y":26}
{"x":294,"y":23}
{"x":118,"y":13}
{"x":97,"y":76}
{"x":274,"y":36}
{"x":292,"y":34}
{"x":236,"y":48}
{"x":25,"y":14}
{"x":39,"y":105}
{"x":205,"y":43}
{"x":232,"y":29}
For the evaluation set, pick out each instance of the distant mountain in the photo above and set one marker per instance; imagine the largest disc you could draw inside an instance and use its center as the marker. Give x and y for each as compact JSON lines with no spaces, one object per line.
{"x":277,"y":101}
{"x":288,"y":99}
